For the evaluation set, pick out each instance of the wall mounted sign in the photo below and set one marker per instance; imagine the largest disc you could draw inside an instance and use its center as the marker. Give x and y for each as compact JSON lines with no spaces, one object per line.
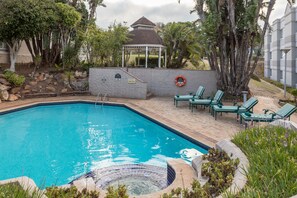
{"x":118,"y":76}
{"x":131,"y":81}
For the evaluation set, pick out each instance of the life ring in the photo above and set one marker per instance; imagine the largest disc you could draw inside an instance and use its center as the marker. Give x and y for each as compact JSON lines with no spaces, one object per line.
{"x":180,"y":81}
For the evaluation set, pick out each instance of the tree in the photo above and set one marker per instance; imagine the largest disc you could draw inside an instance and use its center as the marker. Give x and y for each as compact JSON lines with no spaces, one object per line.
{"x":57,"y":30}
{"x":104,"y":47}
{"x":18,"y":21}
{"x":181,"y":42}
{"x":233,"y":38}
{"x":93,"y":4}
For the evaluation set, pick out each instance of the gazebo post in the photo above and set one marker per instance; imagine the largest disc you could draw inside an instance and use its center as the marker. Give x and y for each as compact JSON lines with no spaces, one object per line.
{"x":159,"y":60}
{"x":165,"y":58}
{"x":146,"y":55}
{"x":123,"y":56}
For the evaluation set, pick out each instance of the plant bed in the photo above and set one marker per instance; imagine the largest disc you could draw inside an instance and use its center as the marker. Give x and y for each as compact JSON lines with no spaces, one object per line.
{"x":272,"y":153}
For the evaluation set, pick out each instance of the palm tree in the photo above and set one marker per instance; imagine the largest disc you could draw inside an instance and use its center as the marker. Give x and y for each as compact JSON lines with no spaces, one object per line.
{"x":93,"y":4}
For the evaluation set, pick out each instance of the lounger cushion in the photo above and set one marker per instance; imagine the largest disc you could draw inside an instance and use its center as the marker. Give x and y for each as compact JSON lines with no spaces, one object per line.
{"x":203,"y":102}
{"x":218,"y":108}
{"x":183,"y":97}
{"x":257,"y":117}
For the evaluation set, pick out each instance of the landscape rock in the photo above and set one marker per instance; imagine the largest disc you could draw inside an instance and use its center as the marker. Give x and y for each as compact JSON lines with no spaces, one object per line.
{"x":64,"y":90}
{"x":15,"y":90}
{"x":4,"y":81}
{"x":33,"y":83}
{"x":27,"y":87}
{"x":12,"y":98}
{"x":26,"y":91}
{"x":2,"y":76}
{"x":41,"y":77}
{"x":4,"y":95}
{"x":4,"y":87}
{"x":51,"y":88}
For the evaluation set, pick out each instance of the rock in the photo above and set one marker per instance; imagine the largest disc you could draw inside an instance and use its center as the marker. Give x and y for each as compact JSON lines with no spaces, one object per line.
{"x":78,"y":74}
{"x":26,"y":91}
{"x":50,"y":88}
{"x":15,"y":90}
{"x":4,"y":87}
{"x":4,"y":81}
{"x":64,"y":90}
{"x":2,"y":76}
{"x":12,"y":98}
{"x":18,"y":95}
{"x":55,"y":83}
{"x":0,"y":101}
{"x":34,"y":90}
{"x":41,"y":77}
{"x":33,"y":83}
{"x":84,"y":74}
{"x":4,"y":95}
{"x":27,"y":87}
{"x":46,"y":75}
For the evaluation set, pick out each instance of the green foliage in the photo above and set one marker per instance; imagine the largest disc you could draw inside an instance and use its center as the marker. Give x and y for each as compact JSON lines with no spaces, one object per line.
{"x":72,"y":192}
{"x":15,"y":79}
{"x":294,"y":92}
{"x":13,"y":190}
{"x":68,"y":17}
{"x":120,"y":192}
{"x":151,"y":61}
{"x":181,"y":40}
{"x":272,"y":154}
{"x":104,"y":47}
{"x":220,"y":170}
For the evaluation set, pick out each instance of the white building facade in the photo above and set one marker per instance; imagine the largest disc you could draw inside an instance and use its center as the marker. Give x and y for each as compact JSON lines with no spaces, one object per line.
{"x":283,"y":35}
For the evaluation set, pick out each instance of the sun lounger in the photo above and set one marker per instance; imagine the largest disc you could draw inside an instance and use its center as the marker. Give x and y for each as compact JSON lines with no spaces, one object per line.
{"x":197,"y":95}
{"x":245,"y":107}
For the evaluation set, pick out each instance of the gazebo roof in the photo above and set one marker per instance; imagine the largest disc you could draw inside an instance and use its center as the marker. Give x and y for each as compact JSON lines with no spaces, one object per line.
{"x":142,"y":36}
{"x":143,"y":33}
{"x":143,"y":22}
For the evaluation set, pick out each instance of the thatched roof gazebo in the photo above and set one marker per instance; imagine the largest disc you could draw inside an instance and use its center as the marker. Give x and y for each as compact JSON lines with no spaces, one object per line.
{"x":143,"y":37}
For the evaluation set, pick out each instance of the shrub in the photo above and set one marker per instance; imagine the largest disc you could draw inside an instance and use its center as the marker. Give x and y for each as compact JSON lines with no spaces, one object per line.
{"x":272,"y":154}
{"x":220,"y":170}
{"x":13,"y":78}
{"x":120,"y":192}
{"x":72,"y":192}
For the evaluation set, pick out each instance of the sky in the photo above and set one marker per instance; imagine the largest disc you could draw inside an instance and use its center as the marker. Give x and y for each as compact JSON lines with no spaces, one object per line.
{"x":128,"y":11}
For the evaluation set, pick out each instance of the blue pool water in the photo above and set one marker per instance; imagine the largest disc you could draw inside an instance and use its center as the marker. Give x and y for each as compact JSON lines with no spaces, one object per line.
{"x":55,"y":144}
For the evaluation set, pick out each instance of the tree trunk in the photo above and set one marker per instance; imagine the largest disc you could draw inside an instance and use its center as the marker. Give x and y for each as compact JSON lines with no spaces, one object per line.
{"x":14,"y":47}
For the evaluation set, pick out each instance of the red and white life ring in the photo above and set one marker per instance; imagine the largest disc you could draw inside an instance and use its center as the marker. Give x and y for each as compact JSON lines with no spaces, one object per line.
{"x":180,"y":81}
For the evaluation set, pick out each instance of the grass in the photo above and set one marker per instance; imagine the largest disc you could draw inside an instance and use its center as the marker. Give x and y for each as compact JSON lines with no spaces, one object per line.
{"x":13,"y":190}
{"x":272,"y":153}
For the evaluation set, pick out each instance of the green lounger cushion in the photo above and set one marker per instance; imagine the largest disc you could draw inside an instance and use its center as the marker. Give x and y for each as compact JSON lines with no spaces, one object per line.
{"x":198,"y":95}
{"x":216,"y":100}
{"x":286,"y":111}
{"x":235,"y":109}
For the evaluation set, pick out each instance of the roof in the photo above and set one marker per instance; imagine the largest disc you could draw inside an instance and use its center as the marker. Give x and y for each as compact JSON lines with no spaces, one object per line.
{"x":142,"y":36}
{"x":143,"y":21}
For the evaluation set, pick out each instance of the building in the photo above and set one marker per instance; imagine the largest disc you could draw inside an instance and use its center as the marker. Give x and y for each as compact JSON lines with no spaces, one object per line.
{"x":24,"y":55}
{"x":144,"y":39}
{"x":282,"y":36}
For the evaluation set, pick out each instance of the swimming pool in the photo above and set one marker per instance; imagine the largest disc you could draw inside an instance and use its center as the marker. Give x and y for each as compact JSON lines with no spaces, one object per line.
{"x":54,"y":144}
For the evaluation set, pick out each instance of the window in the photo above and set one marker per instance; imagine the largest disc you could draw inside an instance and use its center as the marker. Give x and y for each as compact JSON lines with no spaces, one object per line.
{"x":281,"y":32}
{"x":270,"y":55}
{"x":281,"y":75}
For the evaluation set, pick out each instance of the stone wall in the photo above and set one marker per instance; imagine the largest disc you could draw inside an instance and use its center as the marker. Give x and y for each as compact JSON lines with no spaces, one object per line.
{"x":159,"y":82}
{"x":116,"y":82}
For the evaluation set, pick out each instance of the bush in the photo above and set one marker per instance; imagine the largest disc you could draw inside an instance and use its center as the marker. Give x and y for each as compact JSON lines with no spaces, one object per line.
{"x":220,"y":170}
{"x":272,"y":154}
{"x":120,"y":192}
{"x":72,"y":192}
{"x":13,"y":78}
